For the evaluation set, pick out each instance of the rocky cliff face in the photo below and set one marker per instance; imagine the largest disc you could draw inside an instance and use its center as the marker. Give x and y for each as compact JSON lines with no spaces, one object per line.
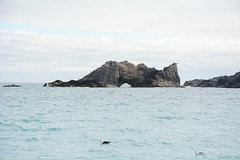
{"x":114,"y":74}
{"x":221,"y":82}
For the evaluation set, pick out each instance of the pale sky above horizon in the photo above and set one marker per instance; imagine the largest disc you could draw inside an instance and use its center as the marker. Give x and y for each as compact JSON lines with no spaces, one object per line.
{"x":45,"y":40}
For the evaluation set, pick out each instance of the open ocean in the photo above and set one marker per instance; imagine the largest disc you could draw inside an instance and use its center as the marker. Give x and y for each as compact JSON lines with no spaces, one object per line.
{"x":45,"y":123}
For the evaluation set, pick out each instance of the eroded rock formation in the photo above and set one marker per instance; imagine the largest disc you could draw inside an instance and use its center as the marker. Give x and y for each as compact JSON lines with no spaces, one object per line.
{"x":221,"y":82}
{"x":114,"y":74}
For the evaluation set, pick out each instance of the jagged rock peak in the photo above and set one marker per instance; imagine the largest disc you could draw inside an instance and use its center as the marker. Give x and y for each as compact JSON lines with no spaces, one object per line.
{"x":114,"y":74}
{"x":141,"y":65}
{"x":110,"y":63}
{"x":172,"y":67}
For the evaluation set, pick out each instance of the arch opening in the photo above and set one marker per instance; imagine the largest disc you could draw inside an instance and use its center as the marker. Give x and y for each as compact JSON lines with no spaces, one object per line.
{"x":125,"y":85}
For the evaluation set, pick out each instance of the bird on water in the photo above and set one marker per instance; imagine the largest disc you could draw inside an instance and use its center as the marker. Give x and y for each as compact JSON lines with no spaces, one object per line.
{"x":105,"y":142}
{"x":200,"y":152}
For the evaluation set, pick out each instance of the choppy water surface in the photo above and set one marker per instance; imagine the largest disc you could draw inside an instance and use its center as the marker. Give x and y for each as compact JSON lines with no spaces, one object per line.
{"x":143,"y":123}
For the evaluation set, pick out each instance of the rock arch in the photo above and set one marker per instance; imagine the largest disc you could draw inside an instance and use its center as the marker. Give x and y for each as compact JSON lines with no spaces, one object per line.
{"x":114,"y":74}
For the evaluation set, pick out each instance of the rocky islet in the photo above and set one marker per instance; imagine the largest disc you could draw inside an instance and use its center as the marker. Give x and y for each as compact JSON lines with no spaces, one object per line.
{"x":114,"y":74}
{"x":232,"y":81}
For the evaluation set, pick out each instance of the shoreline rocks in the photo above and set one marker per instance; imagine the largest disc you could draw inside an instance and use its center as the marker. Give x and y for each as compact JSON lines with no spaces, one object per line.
{"x":232,"y":81}
{"x":114,"y":74}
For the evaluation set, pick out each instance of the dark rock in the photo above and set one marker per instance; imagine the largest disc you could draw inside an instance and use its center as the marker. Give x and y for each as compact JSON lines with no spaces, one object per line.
{"x":193,"y":83}
{"x":114,"y":74}
{"x":220,"y":82}
{"x":54,"y":84}
{"x":12,"y":85}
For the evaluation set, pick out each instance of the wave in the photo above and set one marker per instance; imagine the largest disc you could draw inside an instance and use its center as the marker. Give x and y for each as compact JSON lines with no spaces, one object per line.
{"x":170,"y":117}
{"x":54,"y":129}
{"x":33,"y":139}
{"x":34,"y":120}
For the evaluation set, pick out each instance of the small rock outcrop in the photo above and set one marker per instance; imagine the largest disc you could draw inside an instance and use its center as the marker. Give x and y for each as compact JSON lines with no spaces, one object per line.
{"x":219,"y":82}
{"x":114,"y":74}
{"x":12,"y":85}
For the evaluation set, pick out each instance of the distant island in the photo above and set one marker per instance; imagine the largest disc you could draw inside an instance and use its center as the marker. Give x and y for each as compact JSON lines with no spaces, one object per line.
{"x":12,"y":85}
{"x":219,"y":82}
{"x":114,"y":74}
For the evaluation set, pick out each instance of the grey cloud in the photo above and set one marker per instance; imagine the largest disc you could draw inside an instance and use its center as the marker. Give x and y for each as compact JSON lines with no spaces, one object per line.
{"x":31,"y":52}
{"x":195,"y":34}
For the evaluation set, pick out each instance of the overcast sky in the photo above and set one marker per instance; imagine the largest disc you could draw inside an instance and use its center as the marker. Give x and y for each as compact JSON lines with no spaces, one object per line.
{"x":45,"y":40}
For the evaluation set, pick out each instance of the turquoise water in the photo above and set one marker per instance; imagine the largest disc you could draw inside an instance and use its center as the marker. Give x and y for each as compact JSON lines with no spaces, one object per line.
{"x":143,"y":123}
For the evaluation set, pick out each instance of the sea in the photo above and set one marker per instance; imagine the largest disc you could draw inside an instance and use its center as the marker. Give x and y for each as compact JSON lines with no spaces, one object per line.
{"x":68,"y":123}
